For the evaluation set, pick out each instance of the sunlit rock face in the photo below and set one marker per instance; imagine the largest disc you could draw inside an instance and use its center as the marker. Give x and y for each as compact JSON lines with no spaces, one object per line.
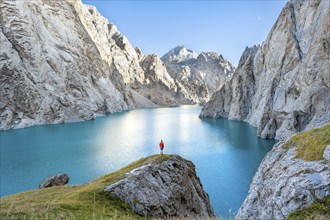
{"x":144,"y":74}
{"x":201,"y":74}
{"x":285,"y":183}
{"x":114,"y":48}
{"x":51,"y":69}
{"x":283,"y":85}
{"x":62,"y":61}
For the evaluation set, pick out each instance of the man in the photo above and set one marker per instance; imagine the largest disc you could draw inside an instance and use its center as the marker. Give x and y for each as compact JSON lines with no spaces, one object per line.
{"x":161,"y":145}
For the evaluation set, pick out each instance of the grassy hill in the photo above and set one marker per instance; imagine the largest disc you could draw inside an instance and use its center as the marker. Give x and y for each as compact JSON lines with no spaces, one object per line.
{"x":87,"y":201}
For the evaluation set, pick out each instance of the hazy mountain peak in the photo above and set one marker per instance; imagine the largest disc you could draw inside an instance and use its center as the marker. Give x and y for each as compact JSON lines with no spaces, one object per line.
{"x":179,"y":54}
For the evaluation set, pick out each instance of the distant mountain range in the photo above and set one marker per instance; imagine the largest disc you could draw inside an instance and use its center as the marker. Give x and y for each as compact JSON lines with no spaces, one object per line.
{"x":202,"y":74}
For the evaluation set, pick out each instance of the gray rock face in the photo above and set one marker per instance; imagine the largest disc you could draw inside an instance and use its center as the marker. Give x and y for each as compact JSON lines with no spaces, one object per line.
{"x":201,"y":74}
{"x":168,"y":189}
{"x":179,"y":54}
{"x":58,"y":180}
{"x":114,"y":48}
{"x":326,"y":153}
{"x":284,"y":184}
{"x":51,"y":69}
{"x":283,"y":86}
{"x":159,"y":86}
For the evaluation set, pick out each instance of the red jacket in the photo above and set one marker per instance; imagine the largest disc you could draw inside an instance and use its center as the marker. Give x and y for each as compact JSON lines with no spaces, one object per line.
{"x":161,"y":145}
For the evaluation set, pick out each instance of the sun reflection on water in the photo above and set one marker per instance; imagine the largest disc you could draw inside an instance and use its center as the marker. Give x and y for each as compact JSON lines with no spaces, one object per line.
{"x":226,"y":153}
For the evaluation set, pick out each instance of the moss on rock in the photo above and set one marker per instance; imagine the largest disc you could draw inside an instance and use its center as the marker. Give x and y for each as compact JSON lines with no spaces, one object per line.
{"x":319,"y":210}
{"x":310,"y":144}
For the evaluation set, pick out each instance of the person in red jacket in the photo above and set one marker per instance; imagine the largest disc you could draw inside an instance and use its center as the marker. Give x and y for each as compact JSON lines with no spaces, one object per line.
{"x":161,"y":145}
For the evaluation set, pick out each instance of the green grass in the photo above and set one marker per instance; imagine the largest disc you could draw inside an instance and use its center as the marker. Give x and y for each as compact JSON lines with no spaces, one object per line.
{"x":320,"y":210}
{"x":310,"y":144}
{"x":87,"y":201}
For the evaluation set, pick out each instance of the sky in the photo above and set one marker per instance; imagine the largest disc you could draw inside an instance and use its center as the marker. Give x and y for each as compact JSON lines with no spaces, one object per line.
{"x":225,"y":27}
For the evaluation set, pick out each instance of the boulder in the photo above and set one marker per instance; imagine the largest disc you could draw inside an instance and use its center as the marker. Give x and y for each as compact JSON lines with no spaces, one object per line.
{"x":167,"y":189}
{"x":57,"y":180}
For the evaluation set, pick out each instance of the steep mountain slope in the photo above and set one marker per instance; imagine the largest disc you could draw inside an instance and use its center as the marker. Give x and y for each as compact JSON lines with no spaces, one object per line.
{"x":114,"y":48}
{"x":201,"y":74}
{"x":131,"y":63}
{"x":51,"y":70}
{"x":283,"y":86}
{"x":62,"y":61}
{"x":293,"y":175}
{"x":159,"y":86}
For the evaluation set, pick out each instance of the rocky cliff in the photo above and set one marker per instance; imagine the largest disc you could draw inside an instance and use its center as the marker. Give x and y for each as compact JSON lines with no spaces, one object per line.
{"x":159,"y":86}
{"x":159,"y":185}
{"x":201,"y":74}
{"x":283,"y":85}
{"x":144,"y":74}
{"x":52,"y":68}
{"x":293,"y":175}
{"x":167,"y":189}
{"x":63,"y":61}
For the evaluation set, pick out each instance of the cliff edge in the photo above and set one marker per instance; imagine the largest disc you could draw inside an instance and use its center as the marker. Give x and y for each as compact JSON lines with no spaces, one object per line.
{"x":155,"y":186}
{"x":167,"y":189}
{"x":292,"y":176}
{"x":282,"y":86}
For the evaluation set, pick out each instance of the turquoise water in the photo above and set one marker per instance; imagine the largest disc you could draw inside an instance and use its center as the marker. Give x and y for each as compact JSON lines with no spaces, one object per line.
{"x":226,"y":153}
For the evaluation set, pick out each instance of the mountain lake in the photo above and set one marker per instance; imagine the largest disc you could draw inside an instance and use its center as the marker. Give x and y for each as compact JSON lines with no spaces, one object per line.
{"x":226,"y":153}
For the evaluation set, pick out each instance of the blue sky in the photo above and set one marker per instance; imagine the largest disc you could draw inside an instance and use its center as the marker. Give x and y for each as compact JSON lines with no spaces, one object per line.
{"x":225,"y":27}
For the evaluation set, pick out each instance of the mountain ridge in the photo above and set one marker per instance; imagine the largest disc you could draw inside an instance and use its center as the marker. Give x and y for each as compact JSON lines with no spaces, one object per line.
{"x":202,"y":73}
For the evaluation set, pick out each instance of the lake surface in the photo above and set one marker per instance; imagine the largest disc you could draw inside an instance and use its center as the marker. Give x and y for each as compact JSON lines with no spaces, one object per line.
{"x":226,"y":153}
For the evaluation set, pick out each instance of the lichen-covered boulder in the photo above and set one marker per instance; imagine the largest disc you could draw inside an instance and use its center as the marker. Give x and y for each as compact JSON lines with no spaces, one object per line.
{"x":57,"y":180}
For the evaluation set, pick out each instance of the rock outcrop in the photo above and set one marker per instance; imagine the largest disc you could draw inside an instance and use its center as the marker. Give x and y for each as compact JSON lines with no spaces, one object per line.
{"x":201,"y":74}
{"x":285,"y":183}
{"x":57,"y":180}
{"x":167,"y":189}
{"x":283,"y":86}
